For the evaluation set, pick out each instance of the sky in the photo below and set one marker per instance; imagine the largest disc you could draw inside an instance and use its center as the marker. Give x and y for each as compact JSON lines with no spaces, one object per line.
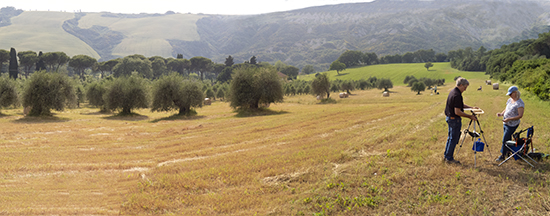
{"x":226,"y":7}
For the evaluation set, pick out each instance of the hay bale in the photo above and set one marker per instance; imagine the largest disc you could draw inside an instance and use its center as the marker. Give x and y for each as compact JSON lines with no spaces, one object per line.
{"x":343,"y":95}
{"x":319,"y":97}
{"x":488,"y":82}
{"x":386,"y":94}
{"x":207,"y":101}
{"x":495,"y":86}
{"x":27,"y":110}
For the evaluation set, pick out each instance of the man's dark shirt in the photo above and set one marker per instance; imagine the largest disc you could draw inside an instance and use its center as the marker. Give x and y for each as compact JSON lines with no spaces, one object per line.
{"x":454,"y":100}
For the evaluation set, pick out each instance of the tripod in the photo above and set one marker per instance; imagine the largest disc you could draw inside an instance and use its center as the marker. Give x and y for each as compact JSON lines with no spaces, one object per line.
{"x":474,"y":134}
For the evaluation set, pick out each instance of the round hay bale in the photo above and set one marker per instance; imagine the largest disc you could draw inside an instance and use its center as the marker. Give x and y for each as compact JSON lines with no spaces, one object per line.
{"x":207,"y":101}
{"x":386,"y":94}
{"x":488,"y":82}
{"x":343,"y":95}
{"x":495,"y":86}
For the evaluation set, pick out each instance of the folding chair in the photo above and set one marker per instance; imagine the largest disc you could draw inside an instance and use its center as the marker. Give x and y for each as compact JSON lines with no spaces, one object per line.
{"x":519,"y":147}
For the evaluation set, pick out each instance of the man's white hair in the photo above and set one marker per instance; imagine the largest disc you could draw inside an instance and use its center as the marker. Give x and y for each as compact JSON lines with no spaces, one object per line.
{"x":462,"y":81}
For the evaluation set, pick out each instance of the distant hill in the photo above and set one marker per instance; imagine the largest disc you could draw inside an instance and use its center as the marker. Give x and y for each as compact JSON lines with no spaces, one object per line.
{"x":316,"y":35}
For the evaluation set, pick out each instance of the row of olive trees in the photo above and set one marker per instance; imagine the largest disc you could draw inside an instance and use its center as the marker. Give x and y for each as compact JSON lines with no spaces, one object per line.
{"x":298,"y":87}
{"x":322,"y":86}
{"x":422,"y":84}
{"x":44,"y":92}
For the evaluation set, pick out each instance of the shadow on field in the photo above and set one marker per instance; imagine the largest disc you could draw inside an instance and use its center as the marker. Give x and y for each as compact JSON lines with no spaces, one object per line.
{"x":127,"y":117}
{"x":342,"y":74}
{"x":259,"y":112}
{"x":2,"y":115}
{"x":98,"y":113}
{"x":40,"y":119}
{"x":178,"y":117}
{"x":519,"y":171}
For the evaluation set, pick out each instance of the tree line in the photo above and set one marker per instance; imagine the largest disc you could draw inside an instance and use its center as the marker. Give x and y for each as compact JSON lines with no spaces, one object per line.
{"x":523,"y":63}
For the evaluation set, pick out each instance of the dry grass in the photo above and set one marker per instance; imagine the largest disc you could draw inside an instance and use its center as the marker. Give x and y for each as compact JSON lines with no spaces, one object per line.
{"x":364,"y":155}
{"x":142,"y":34}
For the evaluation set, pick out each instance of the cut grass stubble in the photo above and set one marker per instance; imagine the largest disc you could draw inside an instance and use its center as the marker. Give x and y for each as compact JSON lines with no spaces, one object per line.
{"x":366,"y":154}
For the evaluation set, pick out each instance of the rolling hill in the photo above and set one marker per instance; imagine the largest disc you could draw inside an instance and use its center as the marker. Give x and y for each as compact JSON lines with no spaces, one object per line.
{"x":41,"y":31}
{"x":316,"y":35}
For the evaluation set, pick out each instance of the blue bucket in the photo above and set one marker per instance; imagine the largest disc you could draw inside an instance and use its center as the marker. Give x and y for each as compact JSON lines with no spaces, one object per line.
{"x":478,"y":146}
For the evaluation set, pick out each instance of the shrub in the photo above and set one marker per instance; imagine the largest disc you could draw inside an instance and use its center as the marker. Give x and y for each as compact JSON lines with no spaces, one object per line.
{"x":252,"y":86}
{"x":174,"y":92}
{"x":127,"y":93}
{"x":47,"y":91}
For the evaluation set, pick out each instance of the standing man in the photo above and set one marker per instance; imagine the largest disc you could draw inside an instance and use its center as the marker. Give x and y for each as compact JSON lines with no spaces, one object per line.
{"x":454,"y":110}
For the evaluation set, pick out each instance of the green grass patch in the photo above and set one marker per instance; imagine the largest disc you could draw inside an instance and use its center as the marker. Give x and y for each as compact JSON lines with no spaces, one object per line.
{"x":398,"y":72}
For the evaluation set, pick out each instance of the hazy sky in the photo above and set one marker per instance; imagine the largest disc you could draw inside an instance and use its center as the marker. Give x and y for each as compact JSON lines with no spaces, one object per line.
{"x":161,"y":6}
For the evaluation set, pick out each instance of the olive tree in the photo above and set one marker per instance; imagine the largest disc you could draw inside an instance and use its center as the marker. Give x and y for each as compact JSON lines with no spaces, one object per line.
{"x":321,"y":86}
{"x":8,"y":92}
{"x":220,"y":94}
{"x":95,"y":92}
{"x":252,"y":86}
{"x":127,"y":93}
{"x":347,"y":86}
{"x":210,"y":94}
{"x":46,"y":91}
{"x":384,"y":84}
{"x":418,"y":87}
{"x":172,"y":92}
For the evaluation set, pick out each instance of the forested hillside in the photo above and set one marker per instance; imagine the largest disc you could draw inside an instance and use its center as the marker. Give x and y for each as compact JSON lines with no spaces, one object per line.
{"x":316,"y":35}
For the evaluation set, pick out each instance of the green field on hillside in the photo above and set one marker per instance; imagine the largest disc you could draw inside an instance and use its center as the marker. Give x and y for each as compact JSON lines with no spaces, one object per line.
{"x":147,"y":36}
{"x":42,"y":31}
{"x":398,"y":72}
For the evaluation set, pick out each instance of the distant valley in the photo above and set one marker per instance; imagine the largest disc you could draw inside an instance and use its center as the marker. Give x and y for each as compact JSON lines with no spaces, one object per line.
{"x":316,"y":35}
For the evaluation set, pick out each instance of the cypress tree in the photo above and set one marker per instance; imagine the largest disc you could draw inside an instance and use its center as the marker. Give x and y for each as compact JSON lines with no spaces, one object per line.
{"x":13,"y":64}
{"x":40,"y":65}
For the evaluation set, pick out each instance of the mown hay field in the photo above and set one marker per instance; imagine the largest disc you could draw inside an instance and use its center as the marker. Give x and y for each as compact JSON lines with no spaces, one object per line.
{"x":30,"y":29}
{"x":363,"y":155}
